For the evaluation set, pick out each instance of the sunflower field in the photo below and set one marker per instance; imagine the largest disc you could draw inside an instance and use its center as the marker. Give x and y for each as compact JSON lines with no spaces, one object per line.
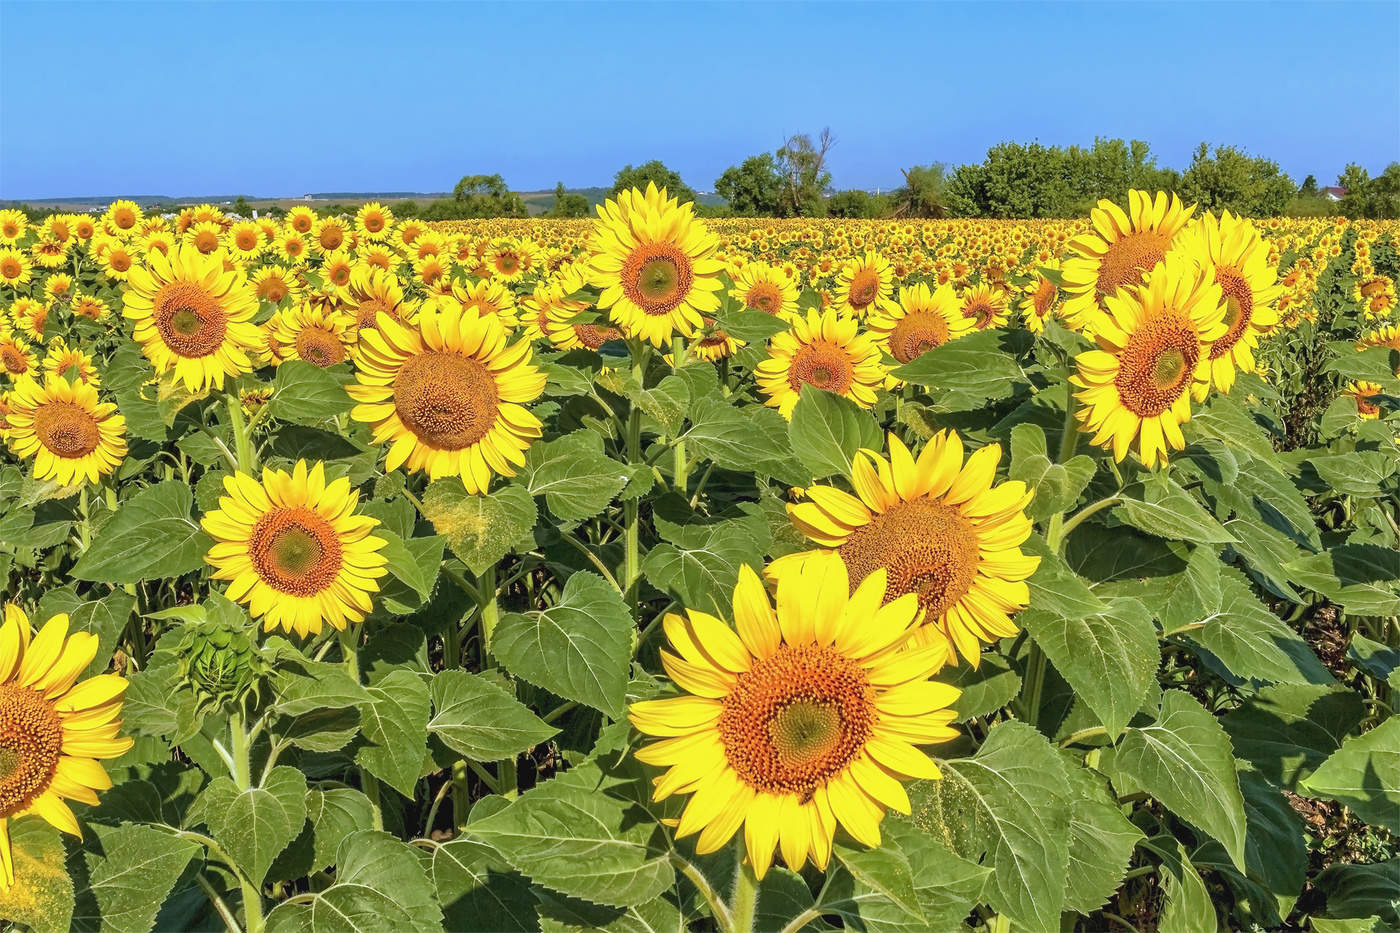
{"x":647,"y":573}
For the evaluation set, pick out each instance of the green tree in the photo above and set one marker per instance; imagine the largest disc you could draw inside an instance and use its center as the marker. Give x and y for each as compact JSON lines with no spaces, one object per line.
{"x":1308,"y":189}
{"x":483,"y":196}
{"x":568,"y":204}
{"x":853,"y":203}
{"x":241,"y":207}
{"x":1230,"y":179}
{"x":1357,"y":182}
{"x":656,"y":172}
{"x":924,"y":193}
{"x":1385,"y":193}
{"x":753,"y":188}
{"x":802,"y":166}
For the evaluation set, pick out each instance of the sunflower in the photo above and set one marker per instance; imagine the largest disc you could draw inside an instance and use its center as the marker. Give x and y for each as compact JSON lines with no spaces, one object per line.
{"x":72,"y":436}
{"x":551,"y":313}
{"x":866,"y":285}
{"x":1233,"y":252}
{"x":291,"y":246}
{"x":59,"y":286}
{"x":715,"y":344}
{"x":16,"y":356}
{"x":205,"y":236}
{"x":53,"y":727}
{"x":1375,"y":294}
{"x":921,"y":320}
{"x":192,"y":317}
{"x":274,"y":283}
{"x":509,"y":259}
{"x":824,"y":350}
{"x":62,"y":358}
{"x":117,"y":261}
{"x":1387,"y":336}
{"x":314,"y":332}
{"x":245,"y":240}
{"x":336,"y":268}
{"x":940,"y":528}
{"x":13,"y":224}
{"x":371,"y":292}
{"x":1039,"y":298}
{"x":448,"y":395}
{"x":804,"y":720}
{"x":488,"y":298}
{"x":984,"y":306}
{"x":1119,"y":250}
{"x":31,"y":317}
{"x":329,"y":234}
{"x":15,"y":268}
{"x":300,"y":219}
{"x":1153,"y":341}
{"x":295,"y":550}
{"x":655,"y":263}
{"x":431,"y":270}
{"x":760,"y":287}
{"x":124,"y":216}
{"x":1365,"y":395}
{"x":157,"y":241}
{"x":374,"y":221}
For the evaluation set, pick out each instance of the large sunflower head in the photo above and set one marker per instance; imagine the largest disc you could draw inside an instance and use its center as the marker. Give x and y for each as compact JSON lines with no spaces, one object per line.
{"x":655,"y":263}
{"x":193,"y":318}
{"x":939,"y":528}
{"x":13,"y":224}
{"x":923,"y":319}
{"x":16,"y":270}
{"x":1234,"y":254}
{"x":1154,"y":342}
{"x":866,"y":285}
{"x":510,"y":259}
{"x":374,"y":222}
{"x":804,"y":719}
{"x":16,"y":356}
{"x":761,"y":287}
{"x":294,"y":549}
{"x":53,"y":727}
{"x":1118,"y":252}
{"x":448,"y":394}
{"x":315,"y":332}
{"x":123,"y":216}
{"x":72,"y":435}
{"x":824,"y":350}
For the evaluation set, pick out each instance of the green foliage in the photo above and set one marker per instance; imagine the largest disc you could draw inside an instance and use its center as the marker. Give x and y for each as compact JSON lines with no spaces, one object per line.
{"x":653,"y":172}
{"x":1230,"y":180}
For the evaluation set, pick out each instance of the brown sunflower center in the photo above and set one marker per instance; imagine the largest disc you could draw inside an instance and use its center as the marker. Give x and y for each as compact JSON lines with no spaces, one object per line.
{"x":797,"y":719}
{"x":981,"y":312}
{"x":319,"y":347}
{"x":823,"y":365}
{"x":295,"y":551}
{"x":369,"y":309}
{"x":1372,"y":288}
{"x":374,"y":223}
{"x":1044,"y":297}
{"x":507,"y":263}
{"x":765,"y":297}
{"x":1365,"y":405}
{"x":10,"y":267}
{"x":13,"y":360}
{"x":1127,"y":259}
{"x":1156,"y":365}
{"x":191,"y":321}
{"x":67,"y":430}
{"x":31,"y":740}
{"x":448,"y":401}
{"x":331,"y":237}
{"x":657,"y":277}
{"x":246,"y":239}
{"x":1239,"y":309}
{"x":865,"y":287}
{"x":206,"y":241}
{"x":926,"y":547}
{"x":916,"y":334}
{"x":592,"y":336}
{"x":273,"y":288}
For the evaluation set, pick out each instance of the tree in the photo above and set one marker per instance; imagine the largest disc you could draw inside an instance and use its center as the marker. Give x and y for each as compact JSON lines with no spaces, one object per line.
{"x":853,"y":203}
{"x":1384,"y":202}
{"x":924,"y":193}
{"x":655,"y":172}
{"x":483,"y":196}
{"x":568,"y":204}
{"x":1230,"y":179}
{"x":241,"y":207}
{"x":753,"y":188}
{"x":1308,"y":189}
{"x":802,"y":166}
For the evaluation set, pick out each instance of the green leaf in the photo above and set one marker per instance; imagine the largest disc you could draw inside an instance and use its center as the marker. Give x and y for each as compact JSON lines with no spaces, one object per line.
{"x":306,"y":686}
{"x":1101,"y":841}
{"x":380,"y":884}
{"x":579,"y":649}
{"x":1276,"y":853}
{"x":479,"y":892}
{"x":1006,"y":808}
{"x":665,"y":403}
{"x":395,"y":727}
{"x":1185,"y":761}
{"x":1160,"y":507}
{"x":569,"y":835}
{"x":750,"y":440}
{"x":1056,"y":588}
{"x":1109,"y":658}
{"x":826,"y":431}
{"x":130,"y":870}
{"x":414,"y":562}
{"x":1288,"y":731}
{"x":256,"y":824}
{"x":988,"y":688}
{"x":335,"y":813}
{"x":702,"y":567}
{"x":1188,"y":908}
{"x":1363,"y":578}
{"x":474,"y":716}
{"x":573,"y":474}
{"x":1364,"y":774}
{"x":1374,"y":658}
{"x":885,"y":873}
{"x":307,"y":394}
{"x":41,"y":898}
{"x":1358,"y":473}
{"x":1252,"y":642}
{"x":106,"y":618}
{"x":559,"y":914}
{"x":152,"y":536}
{"x":1363,"y":890}
{"x":974,"y":365}
{"x":1057,"y":487}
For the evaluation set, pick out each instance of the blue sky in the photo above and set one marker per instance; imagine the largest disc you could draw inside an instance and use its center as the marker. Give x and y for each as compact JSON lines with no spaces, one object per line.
{"x":281,"y":99}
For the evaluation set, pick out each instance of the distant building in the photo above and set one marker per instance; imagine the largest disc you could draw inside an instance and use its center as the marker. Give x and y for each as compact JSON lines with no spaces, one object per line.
{"x":1333,"y":194}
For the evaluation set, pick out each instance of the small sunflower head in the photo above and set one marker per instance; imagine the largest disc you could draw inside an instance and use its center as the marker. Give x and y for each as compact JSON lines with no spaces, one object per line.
{"x":223,"y":664}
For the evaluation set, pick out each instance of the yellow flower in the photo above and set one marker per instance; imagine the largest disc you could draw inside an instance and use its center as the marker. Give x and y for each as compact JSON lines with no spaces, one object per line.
{"x":941,"y":529}
{"x":984,"y":306}
{"x":314,"y":332}
{"x":922,"y":320}
{"x":489,"y":298}
{"x":374,"y":221}
{"x":1153,"y":342}
{"x":826,"y":351}
{"x":192,"y":317}
{"x":866,"y":285}
{"x":804,"y":720}
{"x":61,"y":358}
{"x":15,"y":268}
{"x":72,"y":436}
{"x":1039,"y":298}
{"x":53,"y":728}
{"x":13,"y":224}
{"x":655,"y":263}
{"x":1364,"y":394}
{"x":448,"y":395}
{"x":373,"y":291}
{"x":295,"y":550}
{"x":16,"y":357}
{"x":761,"y":287}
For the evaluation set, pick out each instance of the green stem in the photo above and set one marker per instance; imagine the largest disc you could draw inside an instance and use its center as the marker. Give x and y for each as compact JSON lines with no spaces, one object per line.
{"x":681,"y":469}
{"x":350,"y":649}
{"x":1078,"y":517}
{"x":242,"y":440}
{"x":461,"y":796}
{"x":241,"y":752}
{"x":490,"y":612}
{"x":745,"y":901}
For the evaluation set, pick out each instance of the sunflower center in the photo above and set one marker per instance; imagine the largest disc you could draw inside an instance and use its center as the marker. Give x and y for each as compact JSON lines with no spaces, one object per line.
{"x":593,"y":336}
{"x":31,"y":740}
{"x":865,"y":286}
{"x":66,"y":429}
{"x":1372,"y":288}
{"x":13,"y":360}
{"x":1044,"y":297}
{"x":1129,"y":258}
{"x":1156,"y":365}
{"x":246,"y":240}
{"x":797,"y":719}
{"x":319,"y":348}
{"x":331,"y":238}
{"x":448,"y":401}
{"x":823,"y":365}
{"x":507,"y":263}
{"x":981,"y":313}
{"x":369,"y":309}
{"x":1239,"y":308}
{"x":916,"y":334}
{"x":190,"y":320}
{"x":926,"y":547}
{"x":657,"y":277}
{"x":765,"y":297}
{"x":374,"y":223}
{"x":11,"y":268}
{"x":295,"y":551}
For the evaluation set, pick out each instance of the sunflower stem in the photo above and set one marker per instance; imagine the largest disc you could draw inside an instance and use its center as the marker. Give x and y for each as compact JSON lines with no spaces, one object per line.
{"x":350,"y":650}
{"x":745,"y":901}
{"x":241,"y":753}
{"x":242,"y":440}
{"x":681,"y":466}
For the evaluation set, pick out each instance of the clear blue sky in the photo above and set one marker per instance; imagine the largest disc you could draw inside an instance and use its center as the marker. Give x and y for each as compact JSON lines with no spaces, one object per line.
{"x":280,"y":99}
